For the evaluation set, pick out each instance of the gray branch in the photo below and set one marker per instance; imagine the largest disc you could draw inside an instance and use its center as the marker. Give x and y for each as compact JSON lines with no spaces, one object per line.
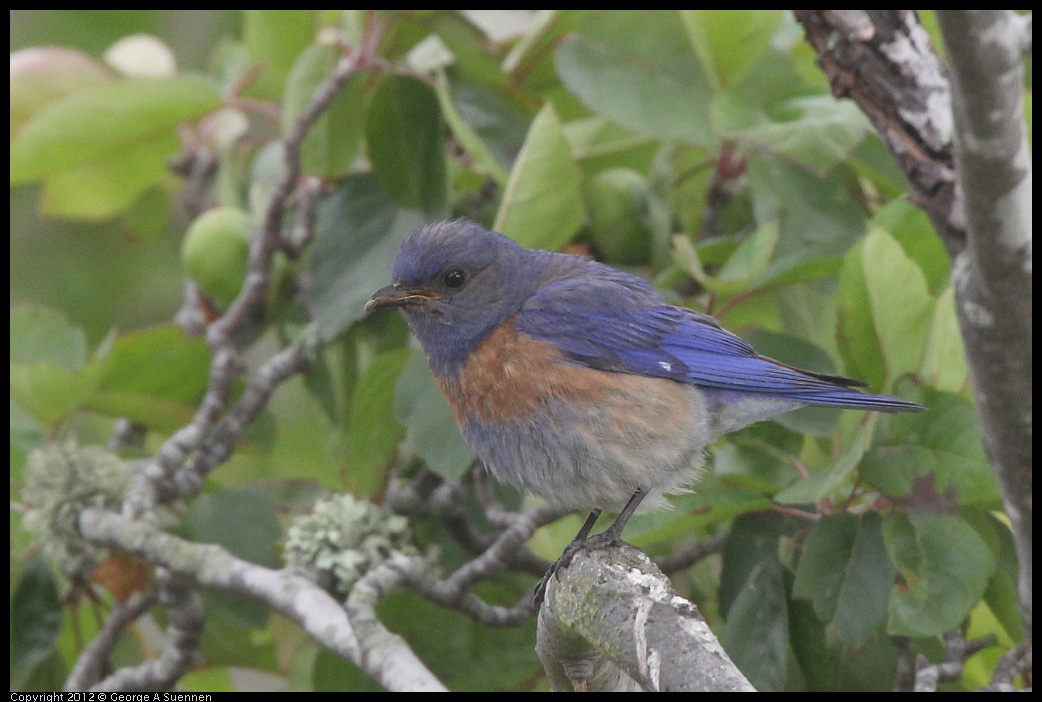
{"x":612,"y":622}
{"x":963,"y":148}
{"x":167,"y":478}
{"x":187,"y":618}
{"x":382,"y":646}
{"x":992,"y":276}
{"x":95,"y":656}
{"x":295,"y":597}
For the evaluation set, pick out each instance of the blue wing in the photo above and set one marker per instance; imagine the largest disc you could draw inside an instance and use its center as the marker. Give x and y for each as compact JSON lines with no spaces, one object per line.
{"x":613,"y":321}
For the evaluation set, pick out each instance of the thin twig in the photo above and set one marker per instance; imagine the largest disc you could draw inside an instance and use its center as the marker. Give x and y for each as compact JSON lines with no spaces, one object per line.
{"x":92,"y":661}
{"x":184,"y":632}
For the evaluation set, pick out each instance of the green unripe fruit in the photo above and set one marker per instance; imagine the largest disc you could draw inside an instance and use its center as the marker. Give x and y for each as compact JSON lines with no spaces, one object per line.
{"x":617,"y":200}
{"x":215,"y":253}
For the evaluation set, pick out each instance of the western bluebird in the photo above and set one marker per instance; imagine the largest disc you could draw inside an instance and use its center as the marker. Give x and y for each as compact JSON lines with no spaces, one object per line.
{"x":579,"y":382}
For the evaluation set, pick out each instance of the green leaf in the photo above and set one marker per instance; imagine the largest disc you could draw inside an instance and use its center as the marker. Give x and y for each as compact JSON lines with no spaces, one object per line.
{"x":945,"y":567}
{"x":107,"y":120}
{"x":810,"y":645}
{"x":944,"y":360}
{"x":274,"y":39}
{"x":246,"y":524}
{"x":208,"y":680}
{"x":819,"y":575}
{"x":758,"y":457}
{"x":331,"y":673}
{"x":911,"y":228}
{"x":900,"y":303}
{"x":856,"y":335}
{"x":730,"y":42}
{"x":110,"y":185}
{"x":752,"y":540}
{"x":149,"y":215}
{"x":153,"y":377}
{"x":817,"y":217}
{"x":49,"y":393}
{"x":432,"y":430}
{"x":232,"y":637}
{"x":50,"y":375}
{"x":597,"y":144}
{"x":884,"y":313}
{"x":845,"y":571}
{"x":497,"y":117}
{"x":359,"y":229}
{"x":756,"y":635}
{"x":42,"y":335}
{"x":41,"y":75}
{"x":474,"y":54}
{"x":242,"y":521}
{"x":542,"y":205}
{"x":746,"y":264}
{"x":943,"y":444}
{"x":469,"y":137}
{"x":36,"y":619}
{"x":406,"y":145}
{"x":374,"y":432}
{"x":816,"y":131}
{"x":817,"y":486}
{"x":462,"y":652}
{"x":332,"y":142}
{"x":694,"y":511}
{"x":638,"y":69}
{"x":532,"y":48}
{"x":793,"y":270}
{"x":1001,"y":595}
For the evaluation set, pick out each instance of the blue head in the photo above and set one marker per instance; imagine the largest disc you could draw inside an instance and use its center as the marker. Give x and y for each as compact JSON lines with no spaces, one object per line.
{"x":455,"y":282}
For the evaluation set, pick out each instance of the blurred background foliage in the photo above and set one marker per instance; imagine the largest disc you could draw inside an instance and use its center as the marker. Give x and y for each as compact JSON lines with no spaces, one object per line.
{"x":702,"y":150}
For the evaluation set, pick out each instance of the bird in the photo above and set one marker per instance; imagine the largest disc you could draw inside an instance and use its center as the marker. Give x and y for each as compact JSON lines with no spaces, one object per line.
{"x":580,"y":383}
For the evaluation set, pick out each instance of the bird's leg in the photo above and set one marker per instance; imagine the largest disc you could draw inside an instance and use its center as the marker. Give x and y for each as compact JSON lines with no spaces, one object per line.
{"x":610,"y":536}
{"x":614,"y":532}
{"x":569,"y":552}
{"x":585,"y":529}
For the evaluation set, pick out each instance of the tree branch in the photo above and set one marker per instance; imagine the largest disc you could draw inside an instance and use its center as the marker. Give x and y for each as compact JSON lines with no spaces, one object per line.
{"x":384,"y":648}
{"x":993,"y":277}
{"x":883,"y":60}
{"x":295,"y":597}
{"x":612,"y":622}
{"x":187,"y":619}
{"x":91,"y":663}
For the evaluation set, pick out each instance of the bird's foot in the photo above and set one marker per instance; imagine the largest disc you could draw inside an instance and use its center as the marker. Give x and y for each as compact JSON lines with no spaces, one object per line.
{"x":598,"y":541}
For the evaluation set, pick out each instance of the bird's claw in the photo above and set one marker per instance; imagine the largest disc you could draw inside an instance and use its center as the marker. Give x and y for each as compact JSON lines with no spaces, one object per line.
{"x":592,"y":543}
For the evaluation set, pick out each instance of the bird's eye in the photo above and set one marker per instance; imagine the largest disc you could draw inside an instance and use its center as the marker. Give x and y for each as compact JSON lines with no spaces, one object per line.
{"x":455,"y":278}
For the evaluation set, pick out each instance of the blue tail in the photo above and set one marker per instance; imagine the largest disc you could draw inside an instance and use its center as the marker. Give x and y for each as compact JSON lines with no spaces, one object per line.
{"x":853,"y":399}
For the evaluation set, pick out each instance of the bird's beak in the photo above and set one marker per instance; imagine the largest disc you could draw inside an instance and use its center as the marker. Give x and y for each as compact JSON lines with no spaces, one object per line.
{"x":396,"y":296}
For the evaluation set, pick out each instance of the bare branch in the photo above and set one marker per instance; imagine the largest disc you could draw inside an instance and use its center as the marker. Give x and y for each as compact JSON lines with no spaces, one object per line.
{"x":690,"y":555}
{"x":1016,"y":661}
{"x":993,"y":280}
{"x":229,"y":430}
{"x":510,"y":540}
{"x":631,"y":631}
{"x":496,"y":558}
{"x":427,"y":495}
{"x":1022,"y":23}
{"x":294,"y":596}
{"x":92,"y":661}
{"x":957,"y":651}
{"x":383,"y":649}
{"x":158,"y":483}
{"x":883,"y":60}
{"x":187,"y":618}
